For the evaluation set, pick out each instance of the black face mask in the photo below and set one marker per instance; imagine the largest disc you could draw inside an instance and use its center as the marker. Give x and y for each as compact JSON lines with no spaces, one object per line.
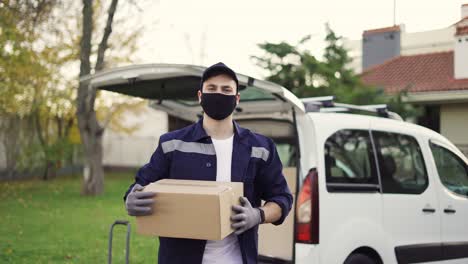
{"x":218,"y":106}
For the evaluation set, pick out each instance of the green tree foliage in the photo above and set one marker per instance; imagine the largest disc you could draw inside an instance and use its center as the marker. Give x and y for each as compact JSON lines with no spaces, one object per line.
{"x":295,"y":68}
{"x":39,"y":55}
{"x":20,"y":67}
{"x":23,"y":73}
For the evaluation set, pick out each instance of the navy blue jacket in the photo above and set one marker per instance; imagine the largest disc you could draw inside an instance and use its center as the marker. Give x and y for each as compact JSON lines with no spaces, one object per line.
{"x":255,"y":162}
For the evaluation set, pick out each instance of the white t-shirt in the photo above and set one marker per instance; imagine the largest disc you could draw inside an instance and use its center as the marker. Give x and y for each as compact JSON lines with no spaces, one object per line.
{"x":226,"y":251}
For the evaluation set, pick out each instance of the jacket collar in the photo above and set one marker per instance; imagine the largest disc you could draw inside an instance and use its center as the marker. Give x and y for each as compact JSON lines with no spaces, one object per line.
{"x":200,"y":133}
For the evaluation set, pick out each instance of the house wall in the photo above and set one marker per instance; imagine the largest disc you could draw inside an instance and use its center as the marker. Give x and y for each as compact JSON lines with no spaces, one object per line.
{"x":134,"y":150}
{"x":454,"y":124}
{"x":128,"y":150}
{"x":427,"y":41}
{"x":461,"y":56}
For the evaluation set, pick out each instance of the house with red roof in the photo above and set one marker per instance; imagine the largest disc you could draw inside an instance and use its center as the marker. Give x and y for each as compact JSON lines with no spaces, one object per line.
{"x":436,"y":80}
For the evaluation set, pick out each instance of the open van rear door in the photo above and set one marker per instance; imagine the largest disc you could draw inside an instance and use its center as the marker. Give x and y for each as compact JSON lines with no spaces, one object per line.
{"x":173,"y":88}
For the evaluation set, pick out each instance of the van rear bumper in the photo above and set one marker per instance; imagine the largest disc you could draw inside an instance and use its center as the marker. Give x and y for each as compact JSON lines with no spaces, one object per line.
{"x":306,"y":253}
{"x":271,"y":260}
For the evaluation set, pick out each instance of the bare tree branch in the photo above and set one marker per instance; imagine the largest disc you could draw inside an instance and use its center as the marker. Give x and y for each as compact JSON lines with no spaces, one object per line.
{"x":105,"y":38}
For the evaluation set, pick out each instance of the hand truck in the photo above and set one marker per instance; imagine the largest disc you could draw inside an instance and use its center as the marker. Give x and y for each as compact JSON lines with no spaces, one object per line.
{"x":127,"y":249}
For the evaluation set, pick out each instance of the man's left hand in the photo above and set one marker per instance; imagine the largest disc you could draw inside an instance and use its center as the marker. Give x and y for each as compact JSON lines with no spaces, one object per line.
{"x":246,"y":216}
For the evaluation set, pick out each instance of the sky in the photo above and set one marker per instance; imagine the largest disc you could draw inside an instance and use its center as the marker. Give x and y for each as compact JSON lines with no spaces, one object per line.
{"x":204,"y":32}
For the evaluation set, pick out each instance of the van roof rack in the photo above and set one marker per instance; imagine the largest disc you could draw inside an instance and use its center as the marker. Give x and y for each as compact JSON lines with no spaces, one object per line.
{"x":326,"y":104}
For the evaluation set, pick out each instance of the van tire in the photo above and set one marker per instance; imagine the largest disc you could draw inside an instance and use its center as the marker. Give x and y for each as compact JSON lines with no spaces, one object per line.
{"x":359,"y":259}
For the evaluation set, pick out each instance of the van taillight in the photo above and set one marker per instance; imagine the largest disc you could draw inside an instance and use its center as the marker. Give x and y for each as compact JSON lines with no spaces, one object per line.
{"x":307,"y":210}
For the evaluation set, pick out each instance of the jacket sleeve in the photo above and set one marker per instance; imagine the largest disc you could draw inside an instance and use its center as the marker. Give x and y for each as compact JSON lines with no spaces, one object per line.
{"x":274,"y":186}
{"x":157,"y":168}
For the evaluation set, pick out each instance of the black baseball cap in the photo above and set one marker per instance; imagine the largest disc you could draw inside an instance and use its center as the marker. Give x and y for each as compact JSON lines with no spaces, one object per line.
{"x":218,"y":69}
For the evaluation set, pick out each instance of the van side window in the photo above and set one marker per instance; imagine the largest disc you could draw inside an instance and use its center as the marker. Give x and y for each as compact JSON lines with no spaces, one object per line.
{"x":453,"y":172}
{"x":401,"y":164}
{"x":348,"y":158}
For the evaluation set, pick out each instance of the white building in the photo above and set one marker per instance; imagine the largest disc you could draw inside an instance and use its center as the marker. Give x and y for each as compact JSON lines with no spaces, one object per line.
{"x":121,"y":150}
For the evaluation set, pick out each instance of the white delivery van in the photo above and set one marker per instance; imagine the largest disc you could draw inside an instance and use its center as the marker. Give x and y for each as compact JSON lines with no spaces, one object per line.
{"x":368,"y":189}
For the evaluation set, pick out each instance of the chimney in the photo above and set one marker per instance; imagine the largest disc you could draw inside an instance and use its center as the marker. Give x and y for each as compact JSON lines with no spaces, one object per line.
{"x":460,"y":54}
{"x":380,"y":45}
{"x":464,"y":11}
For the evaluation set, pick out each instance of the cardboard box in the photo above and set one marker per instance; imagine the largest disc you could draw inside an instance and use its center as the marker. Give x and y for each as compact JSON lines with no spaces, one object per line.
{"x":191,"y":209}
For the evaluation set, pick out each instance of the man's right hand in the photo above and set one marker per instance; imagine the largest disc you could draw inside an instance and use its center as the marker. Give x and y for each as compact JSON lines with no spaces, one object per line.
{"x":139,"y":203}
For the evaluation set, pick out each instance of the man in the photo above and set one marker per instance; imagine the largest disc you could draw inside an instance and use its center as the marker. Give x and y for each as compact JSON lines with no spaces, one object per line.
{"x":216,"y":148}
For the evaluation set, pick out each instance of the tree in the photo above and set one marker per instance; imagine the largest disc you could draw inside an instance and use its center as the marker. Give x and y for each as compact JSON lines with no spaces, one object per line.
{"x":21,"y":71}
{"x":90,"y":125}
{"x":90,"y":130}
{"x":295,"y":68}
{"x":343,"y":81}
{"x":37,"y":108}
{"x":39,"y":52}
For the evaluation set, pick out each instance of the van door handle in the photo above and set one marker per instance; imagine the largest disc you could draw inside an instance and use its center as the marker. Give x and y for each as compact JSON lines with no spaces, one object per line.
{"x":449,"y":211}
{"x":428,"y":210}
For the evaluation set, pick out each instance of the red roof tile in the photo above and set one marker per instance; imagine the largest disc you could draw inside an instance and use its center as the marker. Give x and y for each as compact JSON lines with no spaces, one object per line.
{"x":381,"y":30}
{"x":462,"y":27}
{"x":462,"y":22}
{"x":418,"y":73}
{"x":461,"y":31}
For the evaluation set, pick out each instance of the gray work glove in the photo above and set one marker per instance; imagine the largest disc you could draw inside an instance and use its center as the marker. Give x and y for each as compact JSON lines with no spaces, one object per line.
{"x":139,"y":203}
{"x":246,"y":216}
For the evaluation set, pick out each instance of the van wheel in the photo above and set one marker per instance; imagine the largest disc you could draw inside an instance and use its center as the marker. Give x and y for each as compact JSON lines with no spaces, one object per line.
{"x":359,"y":259}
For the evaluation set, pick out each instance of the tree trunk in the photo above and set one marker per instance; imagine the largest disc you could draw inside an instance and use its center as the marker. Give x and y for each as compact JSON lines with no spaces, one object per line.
{"x":11,"y":131}
{"x":44,"y":142}
{"x":50,"y":171}
{"x":93,"y":183}
{"x":90,"y":130}
{"x":85,"y":110}
{"x":91,"y":138}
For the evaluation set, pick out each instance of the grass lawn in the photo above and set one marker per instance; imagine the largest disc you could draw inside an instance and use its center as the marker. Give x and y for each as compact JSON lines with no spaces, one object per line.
{"x":50,"y":222}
